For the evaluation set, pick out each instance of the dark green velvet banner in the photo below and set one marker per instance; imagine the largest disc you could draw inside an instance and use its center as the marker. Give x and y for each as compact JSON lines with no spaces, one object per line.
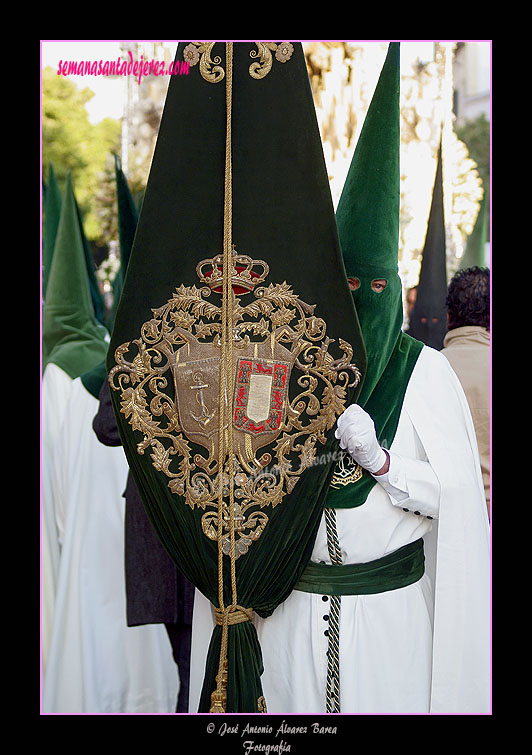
{"x":297,"y":351}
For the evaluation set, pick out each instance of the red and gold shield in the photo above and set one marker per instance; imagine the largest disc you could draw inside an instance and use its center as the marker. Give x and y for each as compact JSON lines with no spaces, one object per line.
{"x":260,"y":376}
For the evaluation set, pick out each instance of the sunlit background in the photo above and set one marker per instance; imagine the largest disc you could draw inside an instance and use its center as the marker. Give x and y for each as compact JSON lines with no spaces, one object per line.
{"x":445,"y":94}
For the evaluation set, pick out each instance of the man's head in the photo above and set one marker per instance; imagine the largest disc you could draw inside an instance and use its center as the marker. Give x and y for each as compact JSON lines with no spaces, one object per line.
{"x":468,"y":298}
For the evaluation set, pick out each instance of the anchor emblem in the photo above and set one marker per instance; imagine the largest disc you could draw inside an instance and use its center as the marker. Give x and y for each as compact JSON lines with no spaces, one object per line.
{"x":205,"y":417}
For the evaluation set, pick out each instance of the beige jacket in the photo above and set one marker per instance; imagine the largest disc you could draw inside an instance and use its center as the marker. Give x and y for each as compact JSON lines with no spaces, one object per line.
{"x":468,"y":352}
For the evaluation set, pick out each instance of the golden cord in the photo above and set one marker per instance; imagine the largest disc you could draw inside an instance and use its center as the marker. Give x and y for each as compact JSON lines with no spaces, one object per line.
{"x":233,"y":614}
{"x":239,"y":615}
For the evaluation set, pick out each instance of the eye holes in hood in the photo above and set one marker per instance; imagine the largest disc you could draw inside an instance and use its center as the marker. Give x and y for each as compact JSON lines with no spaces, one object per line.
{"x":377,"y":284}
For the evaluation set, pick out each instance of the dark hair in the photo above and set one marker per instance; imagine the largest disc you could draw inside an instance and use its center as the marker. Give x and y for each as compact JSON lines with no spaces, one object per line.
{"x":468,"y":298}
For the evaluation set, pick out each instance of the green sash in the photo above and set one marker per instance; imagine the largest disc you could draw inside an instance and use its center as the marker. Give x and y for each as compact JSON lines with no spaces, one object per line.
{"x":398,"y":569}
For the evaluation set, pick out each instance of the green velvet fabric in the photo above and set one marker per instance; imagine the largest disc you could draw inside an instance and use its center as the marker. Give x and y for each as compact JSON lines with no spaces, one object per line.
{"x":51,"y":214}
{"x":96,"y":296}
{"x":94,"y":378}
{"x":282,"y":213}
{"x":127,"y":224}
{"x":368,"y":226}
{"x":72,"y":337}
{"x":398,"y":569}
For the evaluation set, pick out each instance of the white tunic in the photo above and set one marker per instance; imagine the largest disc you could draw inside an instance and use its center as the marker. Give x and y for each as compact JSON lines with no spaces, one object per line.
{"x":419,"y":649}
{"x":96,"y":663}
{"x":54,"y":390}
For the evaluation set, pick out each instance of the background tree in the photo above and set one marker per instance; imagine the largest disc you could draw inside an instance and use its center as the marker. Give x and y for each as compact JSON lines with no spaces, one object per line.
{"x":72,"y":143}
{"x":475,"y":134}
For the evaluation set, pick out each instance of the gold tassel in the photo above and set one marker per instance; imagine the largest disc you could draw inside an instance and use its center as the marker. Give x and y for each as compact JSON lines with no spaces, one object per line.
{"x":219,"y":696}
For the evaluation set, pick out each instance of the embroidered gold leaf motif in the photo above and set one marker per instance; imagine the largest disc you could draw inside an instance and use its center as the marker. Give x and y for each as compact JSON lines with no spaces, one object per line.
{"x":160,"y":456}
{"x":288,"y":391}
{"x":282,"y":316}
{"x":183,"y":319}
{"x":212,"y":71}
{"x":134,"y":407}
{"x":201,"y":52}
{"x":262,"y":67}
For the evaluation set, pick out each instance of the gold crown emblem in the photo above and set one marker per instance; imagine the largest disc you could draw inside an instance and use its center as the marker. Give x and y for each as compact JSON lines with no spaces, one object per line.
{"x":246,"y":273}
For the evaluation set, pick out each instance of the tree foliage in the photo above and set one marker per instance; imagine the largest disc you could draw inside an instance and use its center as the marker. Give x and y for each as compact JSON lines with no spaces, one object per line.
{"x":476,"y":136}
{"x":71,"y":142}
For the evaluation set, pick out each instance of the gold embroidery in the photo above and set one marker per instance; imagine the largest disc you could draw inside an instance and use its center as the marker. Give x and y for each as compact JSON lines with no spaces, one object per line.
{"x":200,"y":52}
{"x":261,"y":704}
{"x":246,"y":273}
{"x":284,"y":51}
{"x":170,"y":389}
{"x":347,"y":471}
{"x":262,"y":68}
{"x":249,"y":448}
{"x":205,"y":417}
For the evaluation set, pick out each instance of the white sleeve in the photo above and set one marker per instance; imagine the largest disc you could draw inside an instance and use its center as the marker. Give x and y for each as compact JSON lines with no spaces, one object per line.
{"x":411,"y":484}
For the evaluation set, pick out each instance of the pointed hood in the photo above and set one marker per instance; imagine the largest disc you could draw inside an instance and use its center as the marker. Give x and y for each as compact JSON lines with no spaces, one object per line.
{"x":428,"y":319}
{"x":475,"y":251}
{"x":368,"y":223}
{"x":72,"y":338}
{"x":368,"y":226}
{"x":96,"y":296}
{"x":233,"y":330}
{"x":51,"y":215}
{"x":127,"y":224}
{"x":368,"y":210}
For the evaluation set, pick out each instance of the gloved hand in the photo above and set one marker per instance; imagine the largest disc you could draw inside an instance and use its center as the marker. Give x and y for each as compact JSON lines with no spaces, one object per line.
{"x":356,"y":432}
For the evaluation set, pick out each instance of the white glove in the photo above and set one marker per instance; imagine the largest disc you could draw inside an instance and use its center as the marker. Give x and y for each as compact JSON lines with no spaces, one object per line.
{"x":356,"y":432}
